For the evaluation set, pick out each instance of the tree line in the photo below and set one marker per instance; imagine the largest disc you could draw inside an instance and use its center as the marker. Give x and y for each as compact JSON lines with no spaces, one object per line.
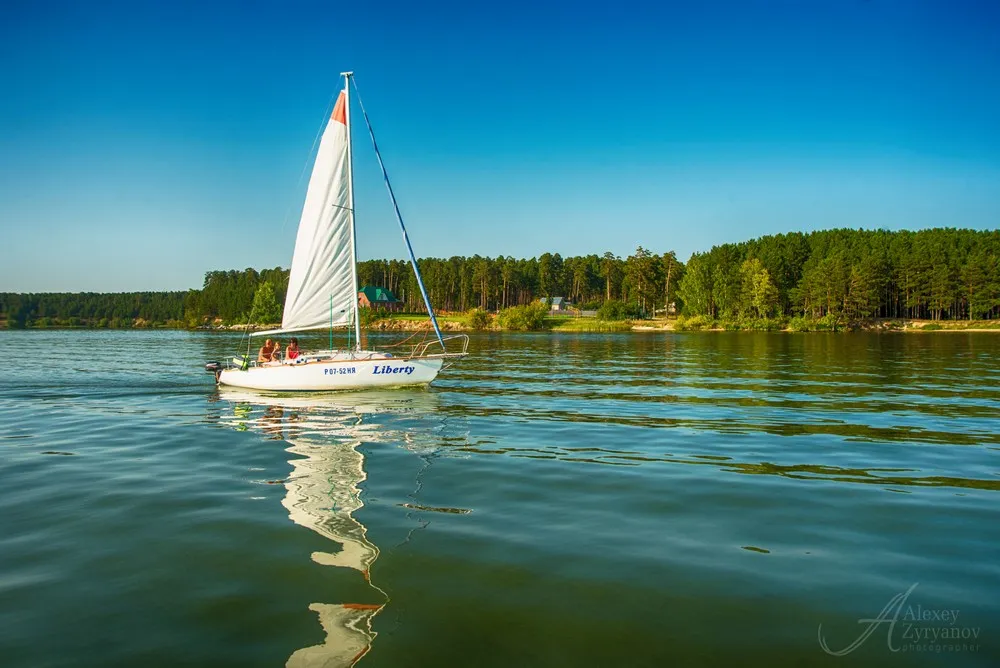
{"x":849,"y":274}
{"x":461,"y":283}
{"x":842,"y":273}
{"x":75,"y":309}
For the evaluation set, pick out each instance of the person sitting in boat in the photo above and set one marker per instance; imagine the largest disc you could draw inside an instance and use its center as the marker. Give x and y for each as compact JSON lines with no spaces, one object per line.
{"x":276,"y":354}
{"x":292,"y":351}
{"x":266,"y":352}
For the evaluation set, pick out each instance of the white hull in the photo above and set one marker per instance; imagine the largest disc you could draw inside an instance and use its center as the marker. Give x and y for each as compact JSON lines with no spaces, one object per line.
{"x":335,"y":374}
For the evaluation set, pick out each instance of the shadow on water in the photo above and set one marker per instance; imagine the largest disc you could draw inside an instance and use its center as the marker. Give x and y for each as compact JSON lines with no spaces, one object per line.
{"x":323,"y":491}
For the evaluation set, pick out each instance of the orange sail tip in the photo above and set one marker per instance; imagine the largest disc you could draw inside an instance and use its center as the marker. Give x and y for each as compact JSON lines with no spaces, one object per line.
{"x":340,"y":110}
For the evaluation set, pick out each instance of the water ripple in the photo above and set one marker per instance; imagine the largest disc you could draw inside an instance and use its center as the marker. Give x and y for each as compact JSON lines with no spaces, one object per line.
{"x":654,"y":499}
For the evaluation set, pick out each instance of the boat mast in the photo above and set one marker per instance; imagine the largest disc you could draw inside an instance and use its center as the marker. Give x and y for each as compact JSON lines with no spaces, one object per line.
{"x":350,"y":205}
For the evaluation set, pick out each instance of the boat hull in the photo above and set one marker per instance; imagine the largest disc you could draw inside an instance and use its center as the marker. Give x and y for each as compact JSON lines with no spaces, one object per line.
{"x":335,"y":375}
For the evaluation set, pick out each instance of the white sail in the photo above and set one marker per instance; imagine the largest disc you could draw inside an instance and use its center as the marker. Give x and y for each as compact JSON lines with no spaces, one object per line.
{"x":321,"y":288}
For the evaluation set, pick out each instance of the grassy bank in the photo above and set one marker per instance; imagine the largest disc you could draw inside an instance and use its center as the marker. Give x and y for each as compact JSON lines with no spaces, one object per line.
{"x":828,"y":324}
{"x":569,"y":324}
{"x":468,"y":322}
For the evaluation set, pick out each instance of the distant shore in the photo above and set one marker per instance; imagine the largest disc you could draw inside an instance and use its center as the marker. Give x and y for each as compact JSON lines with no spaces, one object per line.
{"x":558,"y":324}
{"x":570,"y":324}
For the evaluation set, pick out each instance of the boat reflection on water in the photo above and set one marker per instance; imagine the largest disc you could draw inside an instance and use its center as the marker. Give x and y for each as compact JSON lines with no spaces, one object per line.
{"x":323,"y":491}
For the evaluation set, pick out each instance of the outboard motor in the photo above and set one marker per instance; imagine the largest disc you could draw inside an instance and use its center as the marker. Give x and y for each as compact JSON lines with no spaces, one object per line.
{"x":215,"y":368}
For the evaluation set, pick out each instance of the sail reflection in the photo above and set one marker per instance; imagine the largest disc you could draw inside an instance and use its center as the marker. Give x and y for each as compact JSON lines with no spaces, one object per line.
{"x":323,"y":492}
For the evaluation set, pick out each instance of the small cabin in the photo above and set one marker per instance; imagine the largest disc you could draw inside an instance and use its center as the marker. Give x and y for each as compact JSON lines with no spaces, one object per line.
{"x":559,"y":304}
{"x":374,"y":297}
{"x":669,"y":309}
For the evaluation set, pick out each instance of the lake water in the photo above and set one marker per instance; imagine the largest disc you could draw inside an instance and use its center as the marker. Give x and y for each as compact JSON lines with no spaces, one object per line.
{"x":694,"y":499}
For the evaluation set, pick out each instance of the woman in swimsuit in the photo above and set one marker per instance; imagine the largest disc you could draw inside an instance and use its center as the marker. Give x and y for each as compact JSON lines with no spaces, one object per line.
{"x":292,"y":351}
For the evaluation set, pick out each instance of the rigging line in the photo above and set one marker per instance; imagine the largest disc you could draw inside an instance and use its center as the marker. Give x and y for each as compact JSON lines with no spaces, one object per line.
{"x":399,"y":217}
{"x":246,"y":333}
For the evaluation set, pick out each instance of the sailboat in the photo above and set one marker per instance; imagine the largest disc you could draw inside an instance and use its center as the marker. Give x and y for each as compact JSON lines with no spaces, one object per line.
{"x":323,"y":288}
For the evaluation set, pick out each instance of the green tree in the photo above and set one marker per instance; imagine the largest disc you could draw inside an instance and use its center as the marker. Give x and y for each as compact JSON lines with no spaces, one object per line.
{"x":861,"y":297}
{"x":759,"y":297}
{"x":526,"y":317}
{"x":265,"y":310}
{"x":670,"y":269}
{"x":641,"y":278}
{"x":981,"y":284}
{"x":695,"y":289}
{"x":614,"y":310}
{"x":727,"y":283}
{"x":478,"y":319}
{"x":610,"y":271}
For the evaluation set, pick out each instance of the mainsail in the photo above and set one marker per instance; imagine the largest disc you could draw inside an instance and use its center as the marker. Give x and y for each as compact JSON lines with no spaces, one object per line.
{"x":321,"y":285}
{"x":323,"y":282}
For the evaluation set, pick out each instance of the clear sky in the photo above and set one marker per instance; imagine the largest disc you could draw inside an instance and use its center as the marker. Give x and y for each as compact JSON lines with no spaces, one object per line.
{"x":144,"y":143}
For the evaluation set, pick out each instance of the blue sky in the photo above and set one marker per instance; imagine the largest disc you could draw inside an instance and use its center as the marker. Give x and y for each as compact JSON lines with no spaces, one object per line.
{"x":142,"y":144}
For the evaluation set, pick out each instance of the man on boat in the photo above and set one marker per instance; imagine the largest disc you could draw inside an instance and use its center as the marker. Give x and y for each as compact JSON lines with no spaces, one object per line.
{"x":266,"y":352}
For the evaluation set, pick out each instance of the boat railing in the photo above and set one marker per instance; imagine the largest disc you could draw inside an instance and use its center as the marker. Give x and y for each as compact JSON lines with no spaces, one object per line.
{"x":425,"y":348}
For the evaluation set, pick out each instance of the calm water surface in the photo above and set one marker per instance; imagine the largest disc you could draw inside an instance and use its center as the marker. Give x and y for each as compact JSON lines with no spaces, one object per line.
{"x":579,"y":500}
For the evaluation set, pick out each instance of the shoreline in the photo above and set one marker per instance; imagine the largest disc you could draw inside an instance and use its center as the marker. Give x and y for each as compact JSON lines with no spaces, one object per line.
{"x":571,"y":325}
{"x":575,"y":325}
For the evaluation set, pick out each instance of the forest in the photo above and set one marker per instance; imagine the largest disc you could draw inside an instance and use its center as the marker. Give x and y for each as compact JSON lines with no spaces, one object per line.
{"x":91,"y":309}
{"x":934,"y":274}
{"x":846,"y":274}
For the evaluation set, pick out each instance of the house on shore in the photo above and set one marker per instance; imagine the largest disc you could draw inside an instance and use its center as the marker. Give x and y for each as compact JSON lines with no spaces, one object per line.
{"x":374,"y":297}
{"x":557,"y":304}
